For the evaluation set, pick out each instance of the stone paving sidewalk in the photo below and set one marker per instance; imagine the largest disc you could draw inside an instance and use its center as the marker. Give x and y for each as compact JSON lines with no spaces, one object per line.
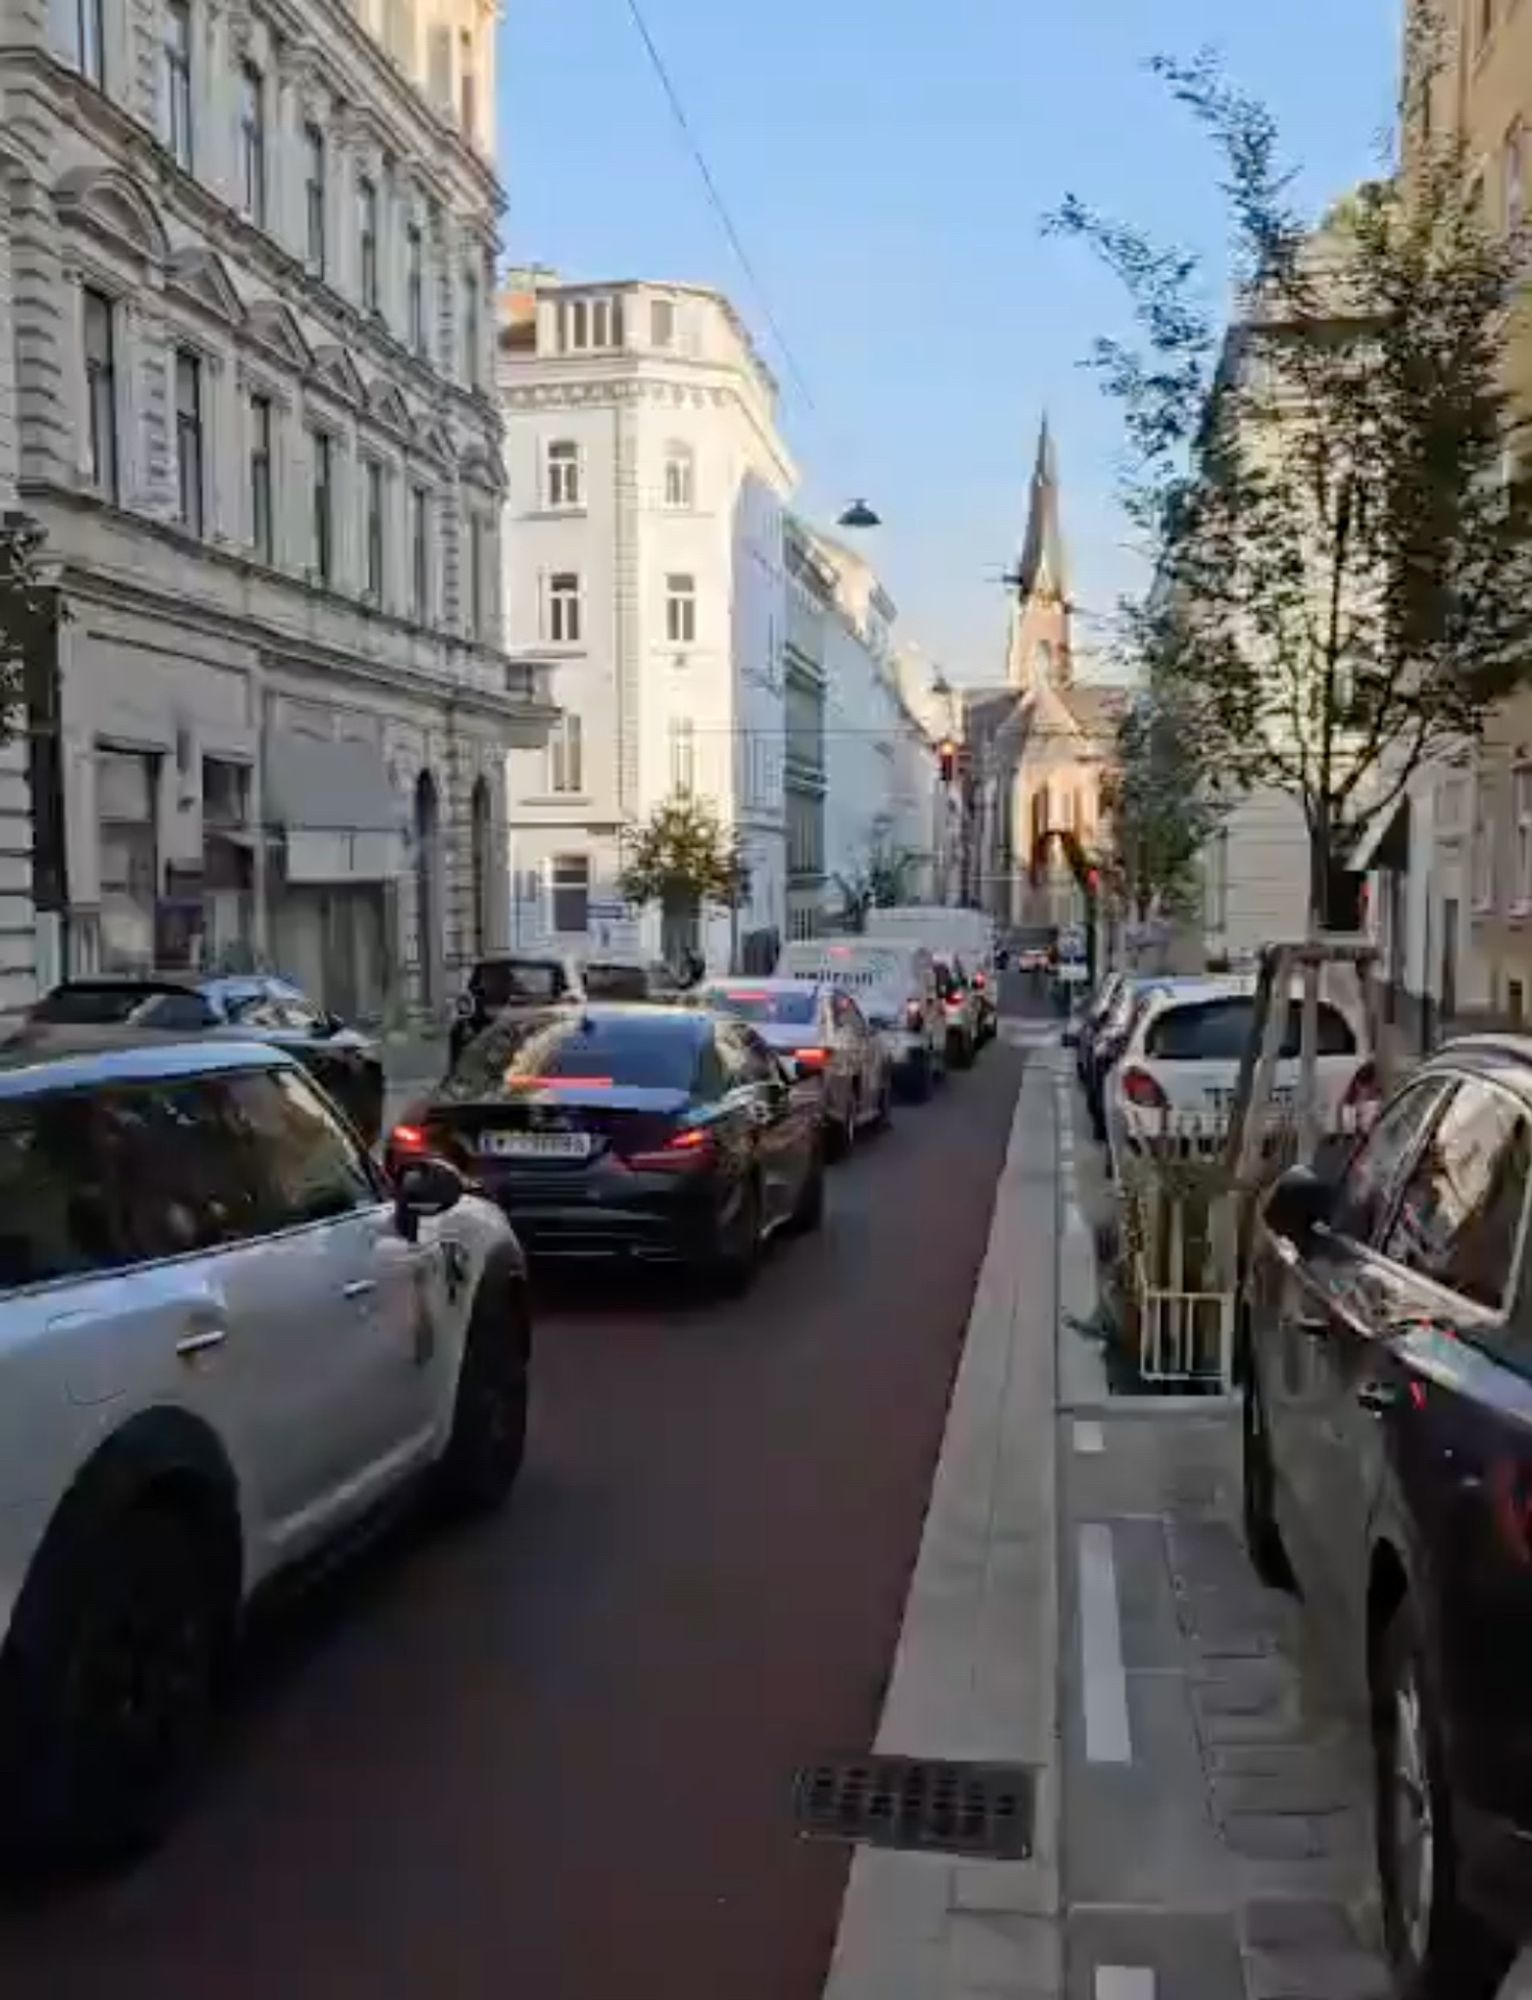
{"x":1238,"y":1819}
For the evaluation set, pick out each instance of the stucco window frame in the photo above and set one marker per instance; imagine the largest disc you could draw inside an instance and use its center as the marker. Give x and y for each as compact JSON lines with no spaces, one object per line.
{"x":1521,"y":824}
{"x":546,"y":502}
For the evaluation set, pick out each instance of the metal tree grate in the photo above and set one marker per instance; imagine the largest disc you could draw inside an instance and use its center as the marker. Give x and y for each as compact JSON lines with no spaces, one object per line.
{"x":918,"y":1802}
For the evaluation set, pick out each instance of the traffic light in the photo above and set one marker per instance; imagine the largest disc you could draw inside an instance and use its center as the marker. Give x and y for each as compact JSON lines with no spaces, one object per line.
{"x":947,"y":760}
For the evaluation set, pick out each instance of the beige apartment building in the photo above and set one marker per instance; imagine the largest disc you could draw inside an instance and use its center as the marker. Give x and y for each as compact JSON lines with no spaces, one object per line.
{"x":1457,"y":913}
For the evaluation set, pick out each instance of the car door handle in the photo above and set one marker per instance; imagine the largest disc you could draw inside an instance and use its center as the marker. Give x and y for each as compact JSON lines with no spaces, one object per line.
{"x":1377,"y":1398}
{"x":200,"y":1341}
{"x":359,"y":1288}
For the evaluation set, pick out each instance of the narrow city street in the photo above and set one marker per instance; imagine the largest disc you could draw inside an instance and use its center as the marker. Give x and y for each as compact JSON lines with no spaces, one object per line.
{"x":553,"y":1756}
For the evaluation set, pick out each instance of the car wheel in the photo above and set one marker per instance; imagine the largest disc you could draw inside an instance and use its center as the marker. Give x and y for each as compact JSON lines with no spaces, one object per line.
{"x":840,"y":1132}
{"x":1436,"y":1948}
{"x":917,"y":1079}
{"x":108,"y":1697}
{"x":959,"y":1051}
{"x":737,"y":1257}
{"x":488,"y":1440}
{"x":810,"y":1212}
{"x":1263,"y":1538}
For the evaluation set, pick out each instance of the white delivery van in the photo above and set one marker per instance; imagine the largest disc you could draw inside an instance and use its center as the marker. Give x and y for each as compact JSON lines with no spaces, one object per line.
{"x":963,"y":941}
{"x":893,"y":981}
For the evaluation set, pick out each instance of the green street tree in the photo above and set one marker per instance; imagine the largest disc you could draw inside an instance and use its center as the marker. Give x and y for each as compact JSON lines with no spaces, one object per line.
{"x":1333,"y":496}
{"x":882,"y":882}
{"x":1162,"y":807}
{"x":683,"y":858}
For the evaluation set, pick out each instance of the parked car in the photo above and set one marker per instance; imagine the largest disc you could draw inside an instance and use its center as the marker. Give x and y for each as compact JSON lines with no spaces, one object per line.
{"x":530,"y":981}
{"x":1388,"y":1469}
{"x":825,"y":1033}
{"x":225,"y":1339}
{"x":1181,"y":1057}
{"x":962,"y":1010}
{"x":1092,"y":1015}
{"x":1106,"y":1041}
{"x":894,"y":983}
{"x":248,"y":1006}
{"x":661,"y":1133}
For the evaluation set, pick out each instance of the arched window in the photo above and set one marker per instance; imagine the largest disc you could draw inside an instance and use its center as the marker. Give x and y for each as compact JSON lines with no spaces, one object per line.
{"x":427,"y":898}
{"x":680,"y":476}
{"x":481,"y":828}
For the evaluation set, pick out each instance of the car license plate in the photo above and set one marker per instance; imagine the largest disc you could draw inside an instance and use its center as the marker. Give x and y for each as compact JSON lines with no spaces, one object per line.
{"x":536,"y":1145}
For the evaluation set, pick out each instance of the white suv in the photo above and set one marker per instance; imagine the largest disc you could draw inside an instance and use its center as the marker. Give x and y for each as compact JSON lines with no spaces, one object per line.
{"x":224,"y":1339}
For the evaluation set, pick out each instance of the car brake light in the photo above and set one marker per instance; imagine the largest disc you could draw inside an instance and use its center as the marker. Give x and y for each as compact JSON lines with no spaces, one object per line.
{"x":408,"y":1139}
{"x":1140,"y":1088}
{"x":978,"y":980}
{"x":693,"y":1146}
{"x":811,"y":1058}
{"x":915,"y":1014}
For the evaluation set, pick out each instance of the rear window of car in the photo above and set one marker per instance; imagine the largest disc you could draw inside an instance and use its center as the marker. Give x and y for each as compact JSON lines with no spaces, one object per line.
{"x":617,"y":982}
{"x":783,"y":1010}
{"x":93,"y":1006}
{"x":640,"y":1051}
{"x":501,"y":981}
{"x":1218,"y":1031}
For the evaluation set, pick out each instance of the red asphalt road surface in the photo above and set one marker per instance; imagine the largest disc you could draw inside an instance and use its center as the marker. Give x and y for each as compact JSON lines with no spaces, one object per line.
{"x":551,"y":1757}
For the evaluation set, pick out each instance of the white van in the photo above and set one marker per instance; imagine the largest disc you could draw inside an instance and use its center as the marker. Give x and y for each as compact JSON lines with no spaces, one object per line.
{"x":948,"y":931}
{"x":894,"y":983}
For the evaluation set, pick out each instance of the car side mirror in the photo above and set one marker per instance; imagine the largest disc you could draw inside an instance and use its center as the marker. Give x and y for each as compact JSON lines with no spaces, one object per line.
{"x":424,"y":1189}
{"x":1298,"y":1204}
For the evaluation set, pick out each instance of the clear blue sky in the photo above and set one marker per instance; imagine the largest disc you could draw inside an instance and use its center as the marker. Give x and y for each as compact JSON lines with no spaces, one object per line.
{"x":886,"y":165}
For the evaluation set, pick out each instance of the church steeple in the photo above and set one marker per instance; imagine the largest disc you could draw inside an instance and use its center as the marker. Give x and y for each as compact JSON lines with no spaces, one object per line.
{"x":1039,"y":649}
{"x":1042,"y":551}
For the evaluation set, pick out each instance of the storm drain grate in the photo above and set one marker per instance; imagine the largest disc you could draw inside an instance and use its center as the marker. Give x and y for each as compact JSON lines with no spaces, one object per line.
{"x":918,"y":1802}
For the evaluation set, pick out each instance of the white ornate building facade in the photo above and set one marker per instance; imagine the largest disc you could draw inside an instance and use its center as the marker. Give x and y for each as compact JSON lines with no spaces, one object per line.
{"x":252,"y":250}
{"x":645,"y":564}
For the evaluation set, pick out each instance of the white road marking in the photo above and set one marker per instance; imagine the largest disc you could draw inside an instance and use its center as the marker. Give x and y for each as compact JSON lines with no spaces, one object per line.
{"x":1090,"y":1439}
{"x":1108,"y":1739}
{"x":1124,"y":1982}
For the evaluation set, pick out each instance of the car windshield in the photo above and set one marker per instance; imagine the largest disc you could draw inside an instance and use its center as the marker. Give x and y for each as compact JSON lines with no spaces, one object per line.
{"x":501,"y":982}
{"x":630,"y":1051}
{"x":1218,"y":1031}
{"x":783,"y":1010}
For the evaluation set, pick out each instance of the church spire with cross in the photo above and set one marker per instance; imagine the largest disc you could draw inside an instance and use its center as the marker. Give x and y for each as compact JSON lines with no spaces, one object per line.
{"x":1038,"y":649}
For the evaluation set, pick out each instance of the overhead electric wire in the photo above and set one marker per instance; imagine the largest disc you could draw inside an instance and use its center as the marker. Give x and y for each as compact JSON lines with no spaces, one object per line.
{"x":719,"y":205}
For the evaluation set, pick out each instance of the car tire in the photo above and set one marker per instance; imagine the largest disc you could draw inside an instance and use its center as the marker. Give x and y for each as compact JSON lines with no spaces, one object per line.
{"x":809,"y":1215}
{"x":488,"y":1440}
{"x":884,"y":1115}
{"x":959,"y":1052}
{"x":107,"y":1686}
{"x":737,"y":1258}
{"x":918,"y":1081}
{"x":1437,"y":1949}
{"x":1263,"y":1538}
{"x":840,"y":1132}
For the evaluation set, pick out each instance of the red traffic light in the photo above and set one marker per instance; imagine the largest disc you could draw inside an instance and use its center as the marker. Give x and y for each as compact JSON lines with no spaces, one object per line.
{"x":946,"y":758}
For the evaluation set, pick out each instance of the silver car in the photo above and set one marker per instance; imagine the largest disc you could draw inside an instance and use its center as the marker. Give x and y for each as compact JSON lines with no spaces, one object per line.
{"x":823,"y":1031}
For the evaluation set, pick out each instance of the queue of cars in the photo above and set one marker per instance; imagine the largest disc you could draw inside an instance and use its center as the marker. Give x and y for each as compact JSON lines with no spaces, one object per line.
{"x":232,"y":1330}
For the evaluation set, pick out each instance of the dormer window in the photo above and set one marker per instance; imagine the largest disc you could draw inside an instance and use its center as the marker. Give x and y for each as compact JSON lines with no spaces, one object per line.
{"x":583,"y":325}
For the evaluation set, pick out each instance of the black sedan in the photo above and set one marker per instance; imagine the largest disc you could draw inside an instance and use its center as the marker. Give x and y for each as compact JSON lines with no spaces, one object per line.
{"x":346,"y":1062}
{"x":630,"y":1131}
{"x":1388,"y":1470}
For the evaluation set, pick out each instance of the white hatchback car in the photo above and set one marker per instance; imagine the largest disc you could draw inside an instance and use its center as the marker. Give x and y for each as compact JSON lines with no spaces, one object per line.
{"x":224,"y":1339}
{"x":1178,"y":1071}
